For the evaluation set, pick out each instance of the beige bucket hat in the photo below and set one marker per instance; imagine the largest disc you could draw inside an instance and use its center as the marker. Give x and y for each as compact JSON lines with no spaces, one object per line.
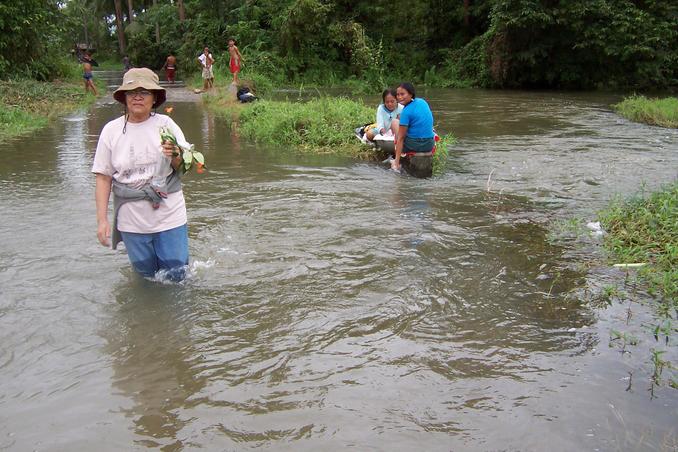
{"x":141,"y":78}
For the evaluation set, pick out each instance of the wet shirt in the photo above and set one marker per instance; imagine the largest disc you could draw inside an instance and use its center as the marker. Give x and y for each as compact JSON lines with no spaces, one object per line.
{"x":418,"y":118}
{"x":132,"y":159}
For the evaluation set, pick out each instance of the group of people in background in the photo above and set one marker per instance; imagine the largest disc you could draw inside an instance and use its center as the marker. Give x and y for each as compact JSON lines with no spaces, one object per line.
{"x":149,"y":217}
{"x":206,"y":61}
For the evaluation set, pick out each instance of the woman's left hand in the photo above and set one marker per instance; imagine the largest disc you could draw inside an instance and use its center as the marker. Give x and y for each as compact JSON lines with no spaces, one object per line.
{"x":169,"y":149}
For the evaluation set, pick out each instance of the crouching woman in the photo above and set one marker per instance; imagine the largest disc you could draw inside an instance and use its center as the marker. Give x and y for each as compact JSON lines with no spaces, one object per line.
{"x":149,"y":211}
{"x":416,"y":138}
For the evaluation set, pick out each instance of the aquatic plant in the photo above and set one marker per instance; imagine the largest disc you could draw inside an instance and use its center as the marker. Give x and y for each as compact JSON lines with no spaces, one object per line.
{"x":442,"y":153}
{"x":646,"y":230}
{"x":624,"y":338}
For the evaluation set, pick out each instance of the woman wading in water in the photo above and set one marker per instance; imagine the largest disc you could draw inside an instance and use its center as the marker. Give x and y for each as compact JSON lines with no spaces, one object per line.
{"x":149,"y":211}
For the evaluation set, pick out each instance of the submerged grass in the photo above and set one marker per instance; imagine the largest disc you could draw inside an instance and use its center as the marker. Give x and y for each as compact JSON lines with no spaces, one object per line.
{"x":442,"y":153}
{"x":645,"y":230}
{"x":658,"y":112}
{"x":27,"y":105}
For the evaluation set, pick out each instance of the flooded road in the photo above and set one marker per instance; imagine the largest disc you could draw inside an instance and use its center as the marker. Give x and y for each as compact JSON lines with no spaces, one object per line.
{"x":333,"y":304}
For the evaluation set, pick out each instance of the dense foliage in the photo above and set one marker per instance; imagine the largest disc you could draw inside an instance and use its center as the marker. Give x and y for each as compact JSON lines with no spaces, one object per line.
{"x":492,"y":43}
{"x":31,"y":35}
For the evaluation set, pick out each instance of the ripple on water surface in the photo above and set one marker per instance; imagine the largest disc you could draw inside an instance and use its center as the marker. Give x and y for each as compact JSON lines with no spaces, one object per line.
{"x":333,"y":303}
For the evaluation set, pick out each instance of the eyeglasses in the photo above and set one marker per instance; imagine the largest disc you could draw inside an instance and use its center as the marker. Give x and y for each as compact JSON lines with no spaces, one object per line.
{"x":140,"y":92}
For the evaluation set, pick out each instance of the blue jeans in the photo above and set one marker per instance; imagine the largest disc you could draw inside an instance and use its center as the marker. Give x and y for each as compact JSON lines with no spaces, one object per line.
{"x":166,"y":250}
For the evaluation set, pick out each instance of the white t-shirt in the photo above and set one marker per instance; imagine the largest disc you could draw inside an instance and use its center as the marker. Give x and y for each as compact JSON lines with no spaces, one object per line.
{"x":203,"y":60}
{"x":131,"y":158}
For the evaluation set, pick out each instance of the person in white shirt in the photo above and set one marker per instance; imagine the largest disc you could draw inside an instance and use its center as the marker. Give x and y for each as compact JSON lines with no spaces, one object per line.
{"x":149,"y":211}
{"x":206,"y":61}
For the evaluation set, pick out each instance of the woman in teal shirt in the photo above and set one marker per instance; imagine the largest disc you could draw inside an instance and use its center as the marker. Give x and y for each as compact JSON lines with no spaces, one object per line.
{"x":415,"y":134}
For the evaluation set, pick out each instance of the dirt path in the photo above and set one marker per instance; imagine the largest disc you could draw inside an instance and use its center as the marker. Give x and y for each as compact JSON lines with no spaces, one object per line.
{"x":182,"y":95}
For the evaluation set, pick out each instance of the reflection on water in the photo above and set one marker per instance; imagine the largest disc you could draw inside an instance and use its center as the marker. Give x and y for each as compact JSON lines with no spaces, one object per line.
{"x":332,"y":303}
{"x":149,"y":340}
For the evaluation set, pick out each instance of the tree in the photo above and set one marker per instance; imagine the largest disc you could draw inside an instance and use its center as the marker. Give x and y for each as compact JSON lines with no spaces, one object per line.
{"x":182,"y":11}
{"x":31,"y":38}
{"x":119,"y":26}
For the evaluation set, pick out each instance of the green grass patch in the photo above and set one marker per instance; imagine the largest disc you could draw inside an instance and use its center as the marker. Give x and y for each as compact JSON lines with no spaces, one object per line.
{"x":657,"y":112}
{"x":15,"y":122}
{"x":27,"y":104}
{"x":645,"y":230}
{"x":322,"y":125}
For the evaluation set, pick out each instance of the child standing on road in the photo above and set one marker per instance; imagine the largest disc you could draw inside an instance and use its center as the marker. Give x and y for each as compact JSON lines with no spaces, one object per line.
{"x":236,"y":60}
{"x":87,"y":74}
{"x":206,"y":61}
{"x":170,"y":67}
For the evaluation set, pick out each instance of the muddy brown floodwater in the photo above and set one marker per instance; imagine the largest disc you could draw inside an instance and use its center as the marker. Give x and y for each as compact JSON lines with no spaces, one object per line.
{"x":335,"y":305}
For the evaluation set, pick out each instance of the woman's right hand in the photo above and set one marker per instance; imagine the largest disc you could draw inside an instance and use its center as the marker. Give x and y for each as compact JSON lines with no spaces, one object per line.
{"x":104,"y":233}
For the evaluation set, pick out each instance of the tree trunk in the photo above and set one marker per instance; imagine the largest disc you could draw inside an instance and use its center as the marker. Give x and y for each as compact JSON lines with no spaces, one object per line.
{"x":467,"y":21}
{"x":182,"y":11}
{"x":130,"y":8}
{"x":157,"y":26}
{"x":119,"y":26}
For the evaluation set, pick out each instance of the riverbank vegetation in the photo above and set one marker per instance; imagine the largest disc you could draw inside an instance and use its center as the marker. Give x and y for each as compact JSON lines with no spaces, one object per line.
{"x":27,"y":105}
{"x":645,"y":230}
{"x":642,"y":232}
{"x":362,"y":44}
{"x":486,"y":43}
{"x":656,"y":112}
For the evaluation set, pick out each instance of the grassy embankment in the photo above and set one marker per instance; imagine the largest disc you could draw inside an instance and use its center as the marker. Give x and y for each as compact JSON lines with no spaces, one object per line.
{"x":320,"y":125}
{"x":644,"y":231}
{"x":656,"y":112}
{"x":27,"y":105}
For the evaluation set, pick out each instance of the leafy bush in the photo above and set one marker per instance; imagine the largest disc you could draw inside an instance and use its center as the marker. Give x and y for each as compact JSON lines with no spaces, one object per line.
{"x":31,"y":39}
